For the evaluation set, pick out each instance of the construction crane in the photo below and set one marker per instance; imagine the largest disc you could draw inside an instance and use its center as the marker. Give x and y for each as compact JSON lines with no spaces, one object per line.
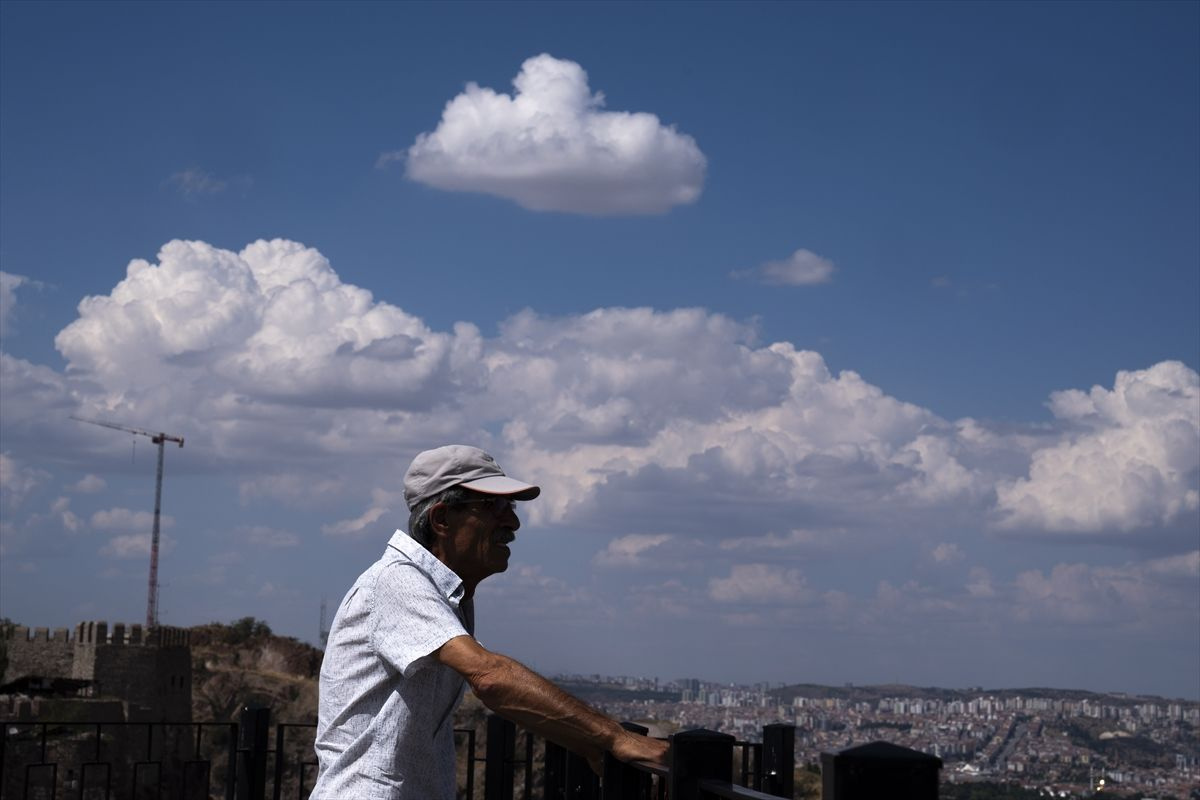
{"x":159,"y":439}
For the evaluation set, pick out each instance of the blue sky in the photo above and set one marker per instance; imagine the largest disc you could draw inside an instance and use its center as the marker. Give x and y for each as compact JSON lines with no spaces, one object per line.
{"x":865,"y":334}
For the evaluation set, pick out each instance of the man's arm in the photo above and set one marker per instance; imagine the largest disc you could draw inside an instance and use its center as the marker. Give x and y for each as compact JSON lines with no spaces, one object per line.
{"x":513,"y":690}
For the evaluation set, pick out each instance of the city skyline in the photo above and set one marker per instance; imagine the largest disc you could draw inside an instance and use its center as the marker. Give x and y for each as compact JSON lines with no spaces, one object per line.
{"x":849,"y":343}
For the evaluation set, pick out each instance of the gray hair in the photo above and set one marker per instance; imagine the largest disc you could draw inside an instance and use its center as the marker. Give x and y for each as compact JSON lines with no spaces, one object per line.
{"x":419,"y":526}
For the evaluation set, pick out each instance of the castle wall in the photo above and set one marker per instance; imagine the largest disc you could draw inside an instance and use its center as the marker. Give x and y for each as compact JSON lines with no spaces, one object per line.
{"x":150,"y":670}
{"x":38,"y":652}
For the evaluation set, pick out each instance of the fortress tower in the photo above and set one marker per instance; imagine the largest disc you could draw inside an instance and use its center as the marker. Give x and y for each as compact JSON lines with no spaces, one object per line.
{"x":150,"y":671}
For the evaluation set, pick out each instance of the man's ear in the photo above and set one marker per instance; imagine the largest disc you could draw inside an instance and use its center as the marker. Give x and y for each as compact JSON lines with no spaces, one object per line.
{"x":437,"y":519}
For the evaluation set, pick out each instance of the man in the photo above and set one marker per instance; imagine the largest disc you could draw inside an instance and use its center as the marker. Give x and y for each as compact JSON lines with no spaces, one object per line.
{"x":401,"y":647}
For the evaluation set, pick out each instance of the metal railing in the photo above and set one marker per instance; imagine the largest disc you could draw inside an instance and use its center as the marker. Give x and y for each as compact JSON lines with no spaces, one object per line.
{"x":158,"y":760}
{"x":116,"y":759}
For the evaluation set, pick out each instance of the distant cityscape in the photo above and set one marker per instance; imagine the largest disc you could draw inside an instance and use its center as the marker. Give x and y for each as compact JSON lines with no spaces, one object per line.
{"x":1063,"y":742}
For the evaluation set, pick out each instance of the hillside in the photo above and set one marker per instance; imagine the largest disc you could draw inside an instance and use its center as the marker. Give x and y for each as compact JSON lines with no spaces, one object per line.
{"x":244,"y":663}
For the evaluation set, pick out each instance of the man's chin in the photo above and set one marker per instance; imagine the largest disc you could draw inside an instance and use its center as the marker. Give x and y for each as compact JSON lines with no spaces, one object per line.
{"x":501,"y":561}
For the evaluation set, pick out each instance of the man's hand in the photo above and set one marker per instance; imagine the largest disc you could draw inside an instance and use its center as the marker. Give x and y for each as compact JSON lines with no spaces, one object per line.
{"x":634,"y":747}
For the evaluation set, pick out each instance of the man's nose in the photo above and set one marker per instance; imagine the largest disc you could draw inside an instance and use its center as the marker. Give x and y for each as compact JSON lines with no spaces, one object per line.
{"x":510,"y":517}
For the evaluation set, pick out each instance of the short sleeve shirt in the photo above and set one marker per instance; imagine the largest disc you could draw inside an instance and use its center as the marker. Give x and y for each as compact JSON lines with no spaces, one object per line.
{"x":385,"y":720}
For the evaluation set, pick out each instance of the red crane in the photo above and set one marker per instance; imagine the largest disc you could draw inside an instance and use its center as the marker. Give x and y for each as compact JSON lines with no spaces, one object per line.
{"x":159,"y":439}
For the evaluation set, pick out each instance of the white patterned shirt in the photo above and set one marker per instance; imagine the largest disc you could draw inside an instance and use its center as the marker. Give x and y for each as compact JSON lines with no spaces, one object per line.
{"x":385,"y":720}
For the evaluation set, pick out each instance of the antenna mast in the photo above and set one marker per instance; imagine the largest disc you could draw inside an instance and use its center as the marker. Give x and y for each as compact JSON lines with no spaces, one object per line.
{"x":159,"y":439}
{"x":323,"y":629}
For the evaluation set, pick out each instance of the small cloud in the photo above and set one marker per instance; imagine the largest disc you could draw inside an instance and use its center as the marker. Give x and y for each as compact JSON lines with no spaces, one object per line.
{"x":9,"y":284}
{"x":271,"y":538}
{"x":382,"y":502}
{"x":940,"y":282}
{"x":979,"y":583}
{"x":628,"y":551}
{"x":759,"y":583}
{"x":89,"y":484}
{"x":355,"y":526}
{"x":194,"y":182}
{"x":947,"y":553}
{"x":385,"y":160}
{"x":551,"y":146}
{"x":123,"y":519}
{"x":17,"y":481}
{"x":802,"y":268}
{"x":798,"y":538}
{"x":134,"y":545}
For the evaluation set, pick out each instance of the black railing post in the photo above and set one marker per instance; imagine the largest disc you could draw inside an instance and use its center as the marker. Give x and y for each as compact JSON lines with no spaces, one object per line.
{"x":254,"y":730}
{"x":568,"y":776}
{"x":695,"y":756}
{"x":555,"y":785}
{"x":622,"y":782}
{"x":277,"y":791}
{"x":879,"y":769}
{"x":582,"y":783}
{"x":498,"y":761}
{"x":779,"y":760}
{"x":231,"y":761}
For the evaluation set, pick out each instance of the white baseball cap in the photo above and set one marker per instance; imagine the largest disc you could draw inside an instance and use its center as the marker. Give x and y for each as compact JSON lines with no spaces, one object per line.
{"x":435,"y":471}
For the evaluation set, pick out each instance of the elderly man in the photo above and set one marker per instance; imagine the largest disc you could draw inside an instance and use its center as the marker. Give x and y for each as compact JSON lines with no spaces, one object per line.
{"x":402,"y":647}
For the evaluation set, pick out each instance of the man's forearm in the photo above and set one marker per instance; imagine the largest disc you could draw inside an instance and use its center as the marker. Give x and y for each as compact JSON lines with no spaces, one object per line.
{"x":517,"y":692}
{"x":513,"y":690}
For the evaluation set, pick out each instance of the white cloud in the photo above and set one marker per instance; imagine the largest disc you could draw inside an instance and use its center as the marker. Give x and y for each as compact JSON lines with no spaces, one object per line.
{"x":1131,"y":459}
{"x":798,"y":538}
{"x":630,"y":551}
{"x":61,"y":509}
{"x":17,"y":481}
{"x":383,"y":501}
{"x":8,"y":297}
{"x":193,"y":181}
{"x":979,"y":583}
{"x":759,"y":583}
{"x":90,"y":484}
{"x":1184,"y":565}
{"x":947,"y":553}
{"x":801,"y":268}
{"x":134,"y":545}
{"x":1163,"y":589}
{"x":264,"y":536}
{"x":124,"y":519}
{"x":292,"y":488}
{"x":550,"y":146}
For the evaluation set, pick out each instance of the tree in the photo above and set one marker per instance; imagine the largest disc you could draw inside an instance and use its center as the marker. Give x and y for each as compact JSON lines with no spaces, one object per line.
{"x":246,"y":628}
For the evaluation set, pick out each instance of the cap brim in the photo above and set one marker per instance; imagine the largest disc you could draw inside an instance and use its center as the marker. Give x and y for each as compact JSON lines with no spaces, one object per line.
{"x":502,"y":484}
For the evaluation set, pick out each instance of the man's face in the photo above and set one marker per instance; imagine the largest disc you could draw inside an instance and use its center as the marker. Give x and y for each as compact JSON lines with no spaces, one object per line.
{"x":479,"y":532}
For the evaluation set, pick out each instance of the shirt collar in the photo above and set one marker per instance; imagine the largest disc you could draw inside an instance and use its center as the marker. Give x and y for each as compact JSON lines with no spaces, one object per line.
{"x":444,"y":578}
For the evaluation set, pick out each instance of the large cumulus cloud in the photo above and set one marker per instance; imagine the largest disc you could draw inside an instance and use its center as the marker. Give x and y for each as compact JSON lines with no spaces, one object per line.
{"x":276,"y":369}
{"x":551,"y":146}
{"x":1129,"y":458}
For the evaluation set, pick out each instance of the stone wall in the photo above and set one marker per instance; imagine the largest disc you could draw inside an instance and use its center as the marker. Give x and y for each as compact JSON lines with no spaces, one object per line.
{"x":38,"y":652}
{"x":150,"y":670}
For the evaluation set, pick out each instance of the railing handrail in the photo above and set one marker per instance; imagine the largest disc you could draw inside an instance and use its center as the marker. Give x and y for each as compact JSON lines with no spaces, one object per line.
{"x":731,"y":791}
{"x":647,"y":767}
